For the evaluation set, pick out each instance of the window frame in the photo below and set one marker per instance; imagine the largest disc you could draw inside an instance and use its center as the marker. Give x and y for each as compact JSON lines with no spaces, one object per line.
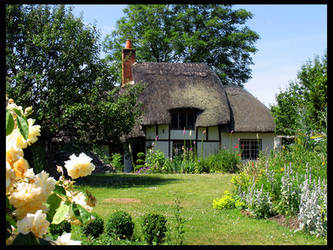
{"x":250,"y":148}
{"x":180,"y":112}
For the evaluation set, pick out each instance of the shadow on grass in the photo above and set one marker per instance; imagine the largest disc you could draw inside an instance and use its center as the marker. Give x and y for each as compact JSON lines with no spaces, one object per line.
{"x":122,"y":180}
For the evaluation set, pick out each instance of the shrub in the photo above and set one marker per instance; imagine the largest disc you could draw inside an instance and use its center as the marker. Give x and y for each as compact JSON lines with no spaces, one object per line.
{"x":120,"y":225}
{"x":116,"y":162}
{"x":106,"y":240}
{"x":313,"y":207}
{"x":154,"y":228}
{"x":155,"y":159}
{"x":226,"y":202}
{"x":140,"y":161}
{"x":224,"y":161}
{"x":58,"y":229}
{"x":93,"y":228}
{"x":259,"y":203}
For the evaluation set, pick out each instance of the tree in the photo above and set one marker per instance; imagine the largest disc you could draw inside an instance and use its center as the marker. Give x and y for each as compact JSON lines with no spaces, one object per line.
{"x":53,"y":65}
{"x":205,"y":33}
{"x":303,"y":105}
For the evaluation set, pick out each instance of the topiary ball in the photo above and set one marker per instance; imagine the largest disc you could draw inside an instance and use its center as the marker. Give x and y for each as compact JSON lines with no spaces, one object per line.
{"x":154,"y":228}
{"x":94,"y":228}
{"x":58,"y":229}
{"x":120,"y":225}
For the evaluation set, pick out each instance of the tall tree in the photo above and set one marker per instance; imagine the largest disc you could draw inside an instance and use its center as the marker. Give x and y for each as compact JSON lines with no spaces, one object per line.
{"x":53,"y":65}
{"x":203,"y":33}
{"x":303,"y":105}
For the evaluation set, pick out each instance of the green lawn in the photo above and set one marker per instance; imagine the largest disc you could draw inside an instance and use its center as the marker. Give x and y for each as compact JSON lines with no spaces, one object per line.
{"x":139,"y":194}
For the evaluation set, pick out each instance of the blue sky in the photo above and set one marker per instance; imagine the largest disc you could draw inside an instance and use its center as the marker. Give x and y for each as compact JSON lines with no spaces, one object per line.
{"x":290,"y":35}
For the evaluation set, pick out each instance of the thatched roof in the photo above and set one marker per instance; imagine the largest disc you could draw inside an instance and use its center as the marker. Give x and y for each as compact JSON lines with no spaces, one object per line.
{"x":181,"y":85}
{"x":248,"y":113}
{"x":194,"y":85}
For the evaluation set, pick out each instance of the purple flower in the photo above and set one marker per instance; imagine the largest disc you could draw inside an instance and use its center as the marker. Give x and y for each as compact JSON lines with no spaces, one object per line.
{"x":184,"y":131}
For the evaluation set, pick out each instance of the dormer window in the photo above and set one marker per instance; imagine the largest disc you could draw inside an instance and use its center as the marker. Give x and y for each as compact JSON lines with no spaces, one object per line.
{"x":183,"y":118}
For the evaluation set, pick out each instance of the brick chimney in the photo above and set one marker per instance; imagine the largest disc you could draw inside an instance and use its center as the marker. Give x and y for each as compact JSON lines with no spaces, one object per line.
{"x":128,"y":59}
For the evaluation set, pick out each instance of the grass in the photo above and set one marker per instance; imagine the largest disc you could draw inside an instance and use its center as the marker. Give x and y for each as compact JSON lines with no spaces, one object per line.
{"x":140,"y":194}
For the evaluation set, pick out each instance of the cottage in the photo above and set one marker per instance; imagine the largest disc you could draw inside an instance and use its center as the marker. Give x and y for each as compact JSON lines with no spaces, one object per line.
{"x":186,"y":101}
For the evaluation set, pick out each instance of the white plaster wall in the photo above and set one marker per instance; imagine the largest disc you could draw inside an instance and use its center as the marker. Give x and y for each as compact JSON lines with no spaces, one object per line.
{"x":163,"y":131}
{"x":200,"y":134}
{"x":179,"y":134}
{"x":231,"y":140}
{"x":207,"y":149}
{"x":213,"y":133}
{"x":161,"y":145}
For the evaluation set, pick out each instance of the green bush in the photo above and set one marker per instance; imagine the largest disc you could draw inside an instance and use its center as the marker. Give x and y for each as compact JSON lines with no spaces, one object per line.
{"x":58,"y":229}
{"x":154,"y":228}
{"x":155,"y":159}
{"x":224,"y":161}
{"x":120,"y":225}
{"x":106,"y":240}
{"x":93,"y":228}
{"x":116,"y":162}
{"x":226,"y":202}
{"x":140,"y":161}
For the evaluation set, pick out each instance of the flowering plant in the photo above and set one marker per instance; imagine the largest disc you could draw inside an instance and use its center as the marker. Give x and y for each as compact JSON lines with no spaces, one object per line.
{"x":34,"y":201}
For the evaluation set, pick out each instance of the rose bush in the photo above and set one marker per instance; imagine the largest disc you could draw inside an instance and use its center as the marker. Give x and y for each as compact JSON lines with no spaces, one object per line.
{"x":35,"y":201}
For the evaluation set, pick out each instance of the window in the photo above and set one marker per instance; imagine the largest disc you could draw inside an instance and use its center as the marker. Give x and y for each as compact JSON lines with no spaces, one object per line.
{"x":178,"y":147}
{"x":181,"y":119}
{"x":250,"y":148}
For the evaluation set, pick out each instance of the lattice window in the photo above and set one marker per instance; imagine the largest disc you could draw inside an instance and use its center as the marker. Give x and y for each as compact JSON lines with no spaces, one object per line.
{"x":250,"y":148}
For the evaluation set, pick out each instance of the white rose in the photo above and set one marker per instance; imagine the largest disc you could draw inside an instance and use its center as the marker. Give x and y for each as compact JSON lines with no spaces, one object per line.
{"x":35,"y":223}
{"x":65,"y":239}
{"x":79,"y":166}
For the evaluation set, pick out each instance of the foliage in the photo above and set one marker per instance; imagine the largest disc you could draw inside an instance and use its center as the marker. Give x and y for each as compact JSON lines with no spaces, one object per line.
{"x":120,"y":225}
{"x":53,"y":64}
{"x":303,"y":105}
{"x":94,"y":228}
{"x":258,"y":202}
{"x":313,"y":206}
{"x":155,"y":159}
{"x":57,"y":230}
{"x":179,"y":227}
{"x":117,"y":161}
{"x":106,"y":240}
{"x":224,"y":161}
{"x":290,"y":182}
{"x":206,"y":33}
{"x":140,"y":161}
{"x":154,"y":228}
{"x":226,"y":202}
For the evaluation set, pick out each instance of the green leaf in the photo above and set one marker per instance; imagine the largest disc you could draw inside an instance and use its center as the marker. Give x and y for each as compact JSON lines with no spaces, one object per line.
{"x":53,"y":202}
{"x":61,"y":212}
{"x":25,"y":239}
{"x":22,"y":124}
{"x":9,"y":122}
{"x":81,"y":214}
{"x":59,"y":190}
